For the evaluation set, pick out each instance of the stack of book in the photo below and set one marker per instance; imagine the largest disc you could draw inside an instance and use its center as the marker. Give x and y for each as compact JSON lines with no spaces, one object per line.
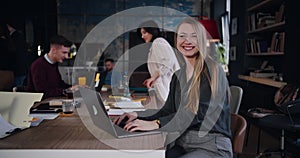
{"x":262,"y":74}
{"x":264,"y":19}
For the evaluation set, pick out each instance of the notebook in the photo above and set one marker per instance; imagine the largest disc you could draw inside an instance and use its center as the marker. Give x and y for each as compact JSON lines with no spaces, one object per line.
{"x":15,"y":107}
{"x":98,"y":113}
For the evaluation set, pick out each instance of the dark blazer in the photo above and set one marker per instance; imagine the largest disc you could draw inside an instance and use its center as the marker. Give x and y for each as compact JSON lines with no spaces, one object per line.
{"x":21,"y":61}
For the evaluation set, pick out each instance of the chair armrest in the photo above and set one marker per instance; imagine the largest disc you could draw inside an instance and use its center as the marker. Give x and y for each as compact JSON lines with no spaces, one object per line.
{"x":238,"y":130}
{"x":239,"y":141}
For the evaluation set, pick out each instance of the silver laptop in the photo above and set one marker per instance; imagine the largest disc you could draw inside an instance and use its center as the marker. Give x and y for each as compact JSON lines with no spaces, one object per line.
{"x":100,"y":118}
{"x":15,"y":107}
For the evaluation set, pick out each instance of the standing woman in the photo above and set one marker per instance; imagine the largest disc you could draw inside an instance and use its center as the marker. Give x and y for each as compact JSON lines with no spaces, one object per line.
{"x":161,"y":62}
{"x":198,"y":103}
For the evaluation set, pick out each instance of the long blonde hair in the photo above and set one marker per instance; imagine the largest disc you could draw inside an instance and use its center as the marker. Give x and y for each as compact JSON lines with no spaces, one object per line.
{"x":204,"y":63}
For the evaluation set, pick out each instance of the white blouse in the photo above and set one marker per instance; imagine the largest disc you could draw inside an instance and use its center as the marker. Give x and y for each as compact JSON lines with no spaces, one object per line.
{"x":162,"y":59}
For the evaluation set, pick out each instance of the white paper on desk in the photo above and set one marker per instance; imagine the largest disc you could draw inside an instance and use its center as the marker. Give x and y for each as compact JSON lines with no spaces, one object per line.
{"x":55,"y":102}
{"x":114,"y":112}
{"x":129,"y":105}
{"x":40,"y":117}
{"x":5,"y":127}
{"x":45,"y":116}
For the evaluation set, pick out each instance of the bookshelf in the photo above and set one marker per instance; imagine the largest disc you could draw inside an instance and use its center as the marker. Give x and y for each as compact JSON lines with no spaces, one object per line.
{"x":265,"y":27}
{"x":265,"y":38}
{"x":265,"y":4}
{"x":265,"y":54}
{"x":272,"y":27}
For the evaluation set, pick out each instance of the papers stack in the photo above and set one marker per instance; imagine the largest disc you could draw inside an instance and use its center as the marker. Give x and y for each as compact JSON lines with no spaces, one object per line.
{"x":262,"y":74}
{"x":118,"y":108}
{"x":117,"y":112}
{"x":128,"y":105}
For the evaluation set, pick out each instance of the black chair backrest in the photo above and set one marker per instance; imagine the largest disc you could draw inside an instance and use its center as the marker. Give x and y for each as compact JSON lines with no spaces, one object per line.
{"x":287,"y":99}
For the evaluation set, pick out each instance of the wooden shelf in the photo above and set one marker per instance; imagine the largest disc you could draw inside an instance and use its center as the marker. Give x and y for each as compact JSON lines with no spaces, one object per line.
{"x":265,"y":54}
{"x":266,"y":4}
{"x":269,"y":28}
{"x":264,"y":81}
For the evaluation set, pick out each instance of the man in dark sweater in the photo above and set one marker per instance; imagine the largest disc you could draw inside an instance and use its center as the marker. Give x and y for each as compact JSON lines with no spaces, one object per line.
{"x":44,"y":76}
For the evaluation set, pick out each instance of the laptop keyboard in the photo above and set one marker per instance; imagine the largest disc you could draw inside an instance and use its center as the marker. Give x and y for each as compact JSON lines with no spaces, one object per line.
{"x":122,"y":123}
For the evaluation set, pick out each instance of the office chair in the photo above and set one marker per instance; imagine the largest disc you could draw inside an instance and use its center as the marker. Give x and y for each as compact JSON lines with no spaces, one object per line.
{"x":285,"y":117}
{"x":238,"y":131}
{"x":236,"y":98}
{"x":288,"y":121}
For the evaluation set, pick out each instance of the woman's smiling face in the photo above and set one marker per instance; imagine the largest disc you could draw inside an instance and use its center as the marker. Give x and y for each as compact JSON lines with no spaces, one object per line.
{"x":187,"y":42}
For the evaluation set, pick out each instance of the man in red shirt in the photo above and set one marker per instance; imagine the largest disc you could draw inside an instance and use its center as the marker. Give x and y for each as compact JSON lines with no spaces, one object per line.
{"x":44,"y":76}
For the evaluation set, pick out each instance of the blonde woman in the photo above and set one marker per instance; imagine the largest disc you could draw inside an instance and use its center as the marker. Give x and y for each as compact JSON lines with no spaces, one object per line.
{"x":197,"y":106}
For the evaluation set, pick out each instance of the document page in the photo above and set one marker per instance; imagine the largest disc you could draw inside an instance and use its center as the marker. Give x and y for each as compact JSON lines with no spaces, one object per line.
{"x":40,"y":117}
{"x":117,"y":112}
{"x":129,"y":105}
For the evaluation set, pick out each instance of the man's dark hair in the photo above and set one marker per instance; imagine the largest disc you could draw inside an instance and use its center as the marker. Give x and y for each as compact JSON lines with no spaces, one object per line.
{"x":151,"y":27}
{"x":60,"y":40}
{"x":13,"y":23}
{"x":109,"y":59}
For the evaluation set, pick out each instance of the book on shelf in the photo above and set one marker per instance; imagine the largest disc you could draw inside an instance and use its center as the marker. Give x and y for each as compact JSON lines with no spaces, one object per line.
{"x":252,"y":22}
{"x":257,"y":45}
{"x":251,"y":46}
{"x":262,"y":74}
{"x":282,"y":39}
{"x":279,"y":15}
{"x":273,"y":41}
{"x":277,"y":42}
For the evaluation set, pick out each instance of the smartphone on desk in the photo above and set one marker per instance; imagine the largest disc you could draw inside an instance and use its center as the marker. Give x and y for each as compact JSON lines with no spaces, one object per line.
{"x":45,"y":108}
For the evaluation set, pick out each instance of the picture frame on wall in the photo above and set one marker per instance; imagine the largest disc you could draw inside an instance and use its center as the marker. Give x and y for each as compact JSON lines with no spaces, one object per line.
{"x":234,"y":26}
{"x":232,"y":53}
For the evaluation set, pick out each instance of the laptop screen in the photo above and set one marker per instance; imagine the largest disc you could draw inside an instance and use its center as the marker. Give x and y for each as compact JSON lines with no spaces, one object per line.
{"x":15,"y":107}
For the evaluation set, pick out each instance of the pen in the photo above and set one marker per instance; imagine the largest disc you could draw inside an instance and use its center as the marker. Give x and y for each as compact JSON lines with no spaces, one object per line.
{"x":112,"y":96}
{"x":141,"y":99}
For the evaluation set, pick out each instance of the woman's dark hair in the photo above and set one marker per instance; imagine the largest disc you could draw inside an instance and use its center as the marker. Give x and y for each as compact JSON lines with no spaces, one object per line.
{"x":151,"y":27}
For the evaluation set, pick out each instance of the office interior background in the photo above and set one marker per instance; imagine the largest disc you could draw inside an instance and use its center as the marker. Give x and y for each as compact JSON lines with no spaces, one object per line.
{"x":41,"y":19}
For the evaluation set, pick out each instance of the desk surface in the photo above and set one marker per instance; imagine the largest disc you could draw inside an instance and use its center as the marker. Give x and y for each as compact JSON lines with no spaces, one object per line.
{"x":71,"y":133}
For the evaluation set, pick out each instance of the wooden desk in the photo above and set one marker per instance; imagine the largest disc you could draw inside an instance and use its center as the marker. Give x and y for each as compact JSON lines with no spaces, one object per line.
{"x":71,"y":133}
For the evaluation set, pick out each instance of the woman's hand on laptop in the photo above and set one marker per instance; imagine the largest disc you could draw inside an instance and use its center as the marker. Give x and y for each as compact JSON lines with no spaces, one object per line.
{"x":141,"y":125}
{"x":126,"y":116}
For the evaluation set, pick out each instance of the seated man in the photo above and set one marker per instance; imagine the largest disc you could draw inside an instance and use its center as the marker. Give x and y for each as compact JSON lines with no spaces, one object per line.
{"x":44,"y":76}
{"x":107,"y":77}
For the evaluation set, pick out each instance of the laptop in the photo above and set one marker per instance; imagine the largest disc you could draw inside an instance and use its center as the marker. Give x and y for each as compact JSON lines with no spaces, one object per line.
{"x":15,"y":107}
{"x":100,"y":117}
